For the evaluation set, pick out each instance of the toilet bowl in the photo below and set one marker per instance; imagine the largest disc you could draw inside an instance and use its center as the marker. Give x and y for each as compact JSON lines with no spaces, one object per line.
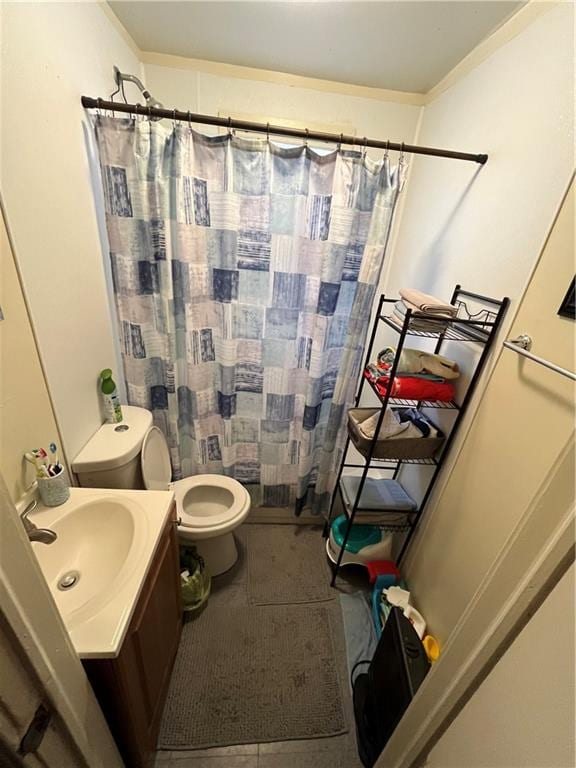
{"x":209,"y":507}
{"x":134,"y":454}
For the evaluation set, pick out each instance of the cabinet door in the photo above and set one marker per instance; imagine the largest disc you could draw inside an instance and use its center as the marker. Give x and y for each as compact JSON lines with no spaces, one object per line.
{"x":155,"y":632}
{"x":132,"y":688}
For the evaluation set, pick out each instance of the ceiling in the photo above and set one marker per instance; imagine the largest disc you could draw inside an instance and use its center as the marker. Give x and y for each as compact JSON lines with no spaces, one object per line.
{"x":397,"y":44}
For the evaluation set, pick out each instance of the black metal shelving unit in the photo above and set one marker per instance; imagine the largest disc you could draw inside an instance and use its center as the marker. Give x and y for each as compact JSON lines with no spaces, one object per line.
{"x":478,"y":327}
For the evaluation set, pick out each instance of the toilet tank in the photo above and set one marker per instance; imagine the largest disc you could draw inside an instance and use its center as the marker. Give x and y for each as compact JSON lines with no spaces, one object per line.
{"x":111,"y":458}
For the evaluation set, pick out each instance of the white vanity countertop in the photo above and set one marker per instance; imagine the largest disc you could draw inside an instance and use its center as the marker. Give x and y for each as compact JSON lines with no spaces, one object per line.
{"x":108,"y":538}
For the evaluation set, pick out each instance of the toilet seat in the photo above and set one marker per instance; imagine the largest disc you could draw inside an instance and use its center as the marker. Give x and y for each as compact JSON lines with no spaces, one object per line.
{"x":219,"y":509}
{"x":212,"y":521}
{"x":155,"y":461}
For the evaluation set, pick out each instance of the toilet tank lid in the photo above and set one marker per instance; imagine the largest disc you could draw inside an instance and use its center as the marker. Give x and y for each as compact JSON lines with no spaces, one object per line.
{"x":114,"y":445}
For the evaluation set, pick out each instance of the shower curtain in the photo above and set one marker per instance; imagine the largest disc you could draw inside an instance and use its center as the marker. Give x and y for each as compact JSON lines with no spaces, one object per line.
{"x":244,"y":275}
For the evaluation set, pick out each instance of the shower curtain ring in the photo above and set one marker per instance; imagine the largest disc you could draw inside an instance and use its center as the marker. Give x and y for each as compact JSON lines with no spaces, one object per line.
{"x":401,"y":158}
{"x":189,"y":120}
{"x":267,"y":131}
{"x":306,"y":139}
{"x":98,"y":103}
{"x":341,"y":142}
{"x":365,"y":147}
{"x":229,"y":126}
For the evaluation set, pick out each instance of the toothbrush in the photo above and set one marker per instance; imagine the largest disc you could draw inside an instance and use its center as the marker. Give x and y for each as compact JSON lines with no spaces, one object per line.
{"x":54,"y":452}
{"x":41,"y":454}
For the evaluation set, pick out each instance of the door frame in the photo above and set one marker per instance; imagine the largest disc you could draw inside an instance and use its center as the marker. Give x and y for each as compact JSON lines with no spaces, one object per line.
{"x":28,"y":607}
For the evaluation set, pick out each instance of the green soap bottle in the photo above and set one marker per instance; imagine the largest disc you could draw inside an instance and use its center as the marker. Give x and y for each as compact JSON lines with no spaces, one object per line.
{"x":112,"y":406}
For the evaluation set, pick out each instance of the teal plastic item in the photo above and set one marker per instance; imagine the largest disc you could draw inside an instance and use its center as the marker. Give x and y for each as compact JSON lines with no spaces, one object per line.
{"x":380,"y":606}
{"x":360,"y":536}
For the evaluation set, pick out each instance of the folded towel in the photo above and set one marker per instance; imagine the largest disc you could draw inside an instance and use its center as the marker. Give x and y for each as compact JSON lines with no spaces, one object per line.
{"x":418,"y":363}
{"x":400,"y":308}
{"x":416,"y":310}
{"x":417,"y":389}
{"x":391,"y":428}
{"x":377,"y":494}
{"x":426,"y":303}
{"x":414,"y":389}
{"x":419,"y":323}
{"x":424,"y":375}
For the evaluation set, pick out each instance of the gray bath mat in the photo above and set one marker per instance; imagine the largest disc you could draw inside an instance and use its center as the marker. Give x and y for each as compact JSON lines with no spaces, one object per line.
{"x":287,"y":564}
{"x":250,"y":675}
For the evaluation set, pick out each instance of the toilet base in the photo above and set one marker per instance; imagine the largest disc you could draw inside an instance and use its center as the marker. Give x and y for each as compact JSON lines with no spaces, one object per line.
{"x":219,"y":553}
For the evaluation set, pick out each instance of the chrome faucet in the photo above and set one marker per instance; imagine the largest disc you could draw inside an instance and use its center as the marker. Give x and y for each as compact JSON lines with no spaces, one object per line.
{"x":43,"y":535}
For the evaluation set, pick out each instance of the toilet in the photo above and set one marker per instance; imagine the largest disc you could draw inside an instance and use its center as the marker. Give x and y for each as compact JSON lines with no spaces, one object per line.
{"x":134,"y":454}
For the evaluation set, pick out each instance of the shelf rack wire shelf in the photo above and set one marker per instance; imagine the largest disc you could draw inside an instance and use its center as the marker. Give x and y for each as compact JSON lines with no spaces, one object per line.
{"x":479,"y":327}
{"x":392,"y":519}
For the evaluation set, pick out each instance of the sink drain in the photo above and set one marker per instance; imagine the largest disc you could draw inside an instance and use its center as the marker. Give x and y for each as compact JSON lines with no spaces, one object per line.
{"x":68,"y":580}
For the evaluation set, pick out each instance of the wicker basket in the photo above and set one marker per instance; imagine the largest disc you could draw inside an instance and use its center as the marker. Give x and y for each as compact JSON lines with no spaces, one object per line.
{"x":390,"y":448}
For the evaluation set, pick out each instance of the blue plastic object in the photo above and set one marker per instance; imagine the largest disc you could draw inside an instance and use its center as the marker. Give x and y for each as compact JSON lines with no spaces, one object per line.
{"x":381,"y":608}
{"x":385,"y":580}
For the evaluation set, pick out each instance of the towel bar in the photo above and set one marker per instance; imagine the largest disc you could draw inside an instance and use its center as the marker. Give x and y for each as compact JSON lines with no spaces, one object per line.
{"x":523,"y":343}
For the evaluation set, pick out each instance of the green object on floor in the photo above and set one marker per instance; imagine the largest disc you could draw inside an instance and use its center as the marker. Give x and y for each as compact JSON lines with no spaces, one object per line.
{"x":194,"y":580}
{"x":360,"y":536}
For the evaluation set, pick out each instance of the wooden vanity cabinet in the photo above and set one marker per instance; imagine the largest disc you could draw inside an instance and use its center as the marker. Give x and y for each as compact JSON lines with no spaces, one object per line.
{"x":132,"y":687}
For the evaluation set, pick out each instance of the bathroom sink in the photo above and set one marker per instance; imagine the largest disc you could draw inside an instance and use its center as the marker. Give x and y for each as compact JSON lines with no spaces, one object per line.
{"x":96,"y":567}
{"x":92,"y":554}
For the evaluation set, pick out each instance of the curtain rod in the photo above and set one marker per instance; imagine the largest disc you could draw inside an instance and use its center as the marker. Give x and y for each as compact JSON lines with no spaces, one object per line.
{"x":278,"y":130}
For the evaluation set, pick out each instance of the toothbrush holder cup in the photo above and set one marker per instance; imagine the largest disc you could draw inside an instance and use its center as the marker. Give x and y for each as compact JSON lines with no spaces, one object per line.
{"x":54,"y":490}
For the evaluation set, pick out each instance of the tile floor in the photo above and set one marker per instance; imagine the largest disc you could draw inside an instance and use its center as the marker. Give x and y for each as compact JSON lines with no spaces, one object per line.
{"x":332,"y":752}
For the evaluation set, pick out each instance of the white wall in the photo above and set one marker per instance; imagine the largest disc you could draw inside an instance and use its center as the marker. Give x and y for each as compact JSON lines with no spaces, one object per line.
{"x":52,"y":53}
{"x":525,"y":418}
{"x":483,"y":227}
{"x":26,"y":416}
{"x":522,"y":715}
{"x":276,"y":103}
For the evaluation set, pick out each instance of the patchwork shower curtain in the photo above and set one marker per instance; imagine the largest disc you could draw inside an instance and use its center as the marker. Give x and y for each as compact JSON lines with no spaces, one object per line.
{"x":244,"y":275}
